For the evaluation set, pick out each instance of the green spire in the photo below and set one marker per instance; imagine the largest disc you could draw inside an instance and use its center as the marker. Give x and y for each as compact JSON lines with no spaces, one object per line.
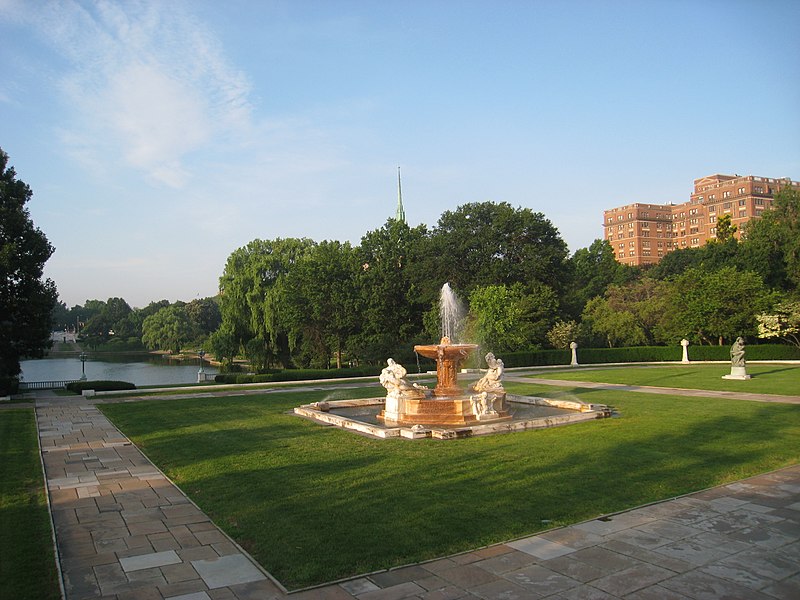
{"x":400,"y":213}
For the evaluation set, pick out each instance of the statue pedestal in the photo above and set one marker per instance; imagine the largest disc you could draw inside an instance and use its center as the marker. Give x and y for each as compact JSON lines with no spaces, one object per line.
{"x":737,"y":373}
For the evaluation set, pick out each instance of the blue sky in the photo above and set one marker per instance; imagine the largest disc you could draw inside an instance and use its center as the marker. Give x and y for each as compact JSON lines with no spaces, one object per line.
{"x":160,"y":136}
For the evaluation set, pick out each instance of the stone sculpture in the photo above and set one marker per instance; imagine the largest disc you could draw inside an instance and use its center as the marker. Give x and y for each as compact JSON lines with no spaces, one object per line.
{"x":737,"y":353}
{"x":490,"y":396}
{"x":738,"y":366}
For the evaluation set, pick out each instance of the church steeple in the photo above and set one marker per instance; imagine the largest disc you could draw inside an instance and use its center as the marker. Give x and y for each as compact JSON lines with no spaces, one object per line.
{"x":400,"y":213}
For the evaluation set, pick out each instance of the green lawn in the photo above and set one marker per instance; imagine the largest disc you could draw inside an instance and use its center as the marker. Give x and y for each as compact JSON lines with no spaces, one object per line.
{"x":782,"y":379}
{"x":27,"y":562}
{"x":316,"y":503}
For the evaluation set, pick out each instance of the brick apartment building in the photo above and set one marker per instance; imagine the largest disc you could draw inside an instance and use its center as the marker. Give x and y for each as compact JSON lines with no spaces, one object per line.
{"x":643,"y":233}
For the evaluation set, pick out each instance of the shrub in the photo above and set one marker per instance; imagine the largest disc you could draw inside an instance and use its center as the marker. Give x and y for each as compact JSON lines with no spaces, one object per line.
{"x":591,"y":356}
{"x":99,"y":386}
{"x":298,"y":375}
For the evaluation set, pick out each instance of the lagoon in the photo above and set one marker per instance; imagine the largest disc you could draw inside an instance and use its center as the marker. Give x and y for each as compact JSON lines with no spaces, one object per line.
{"x":139,"y":369}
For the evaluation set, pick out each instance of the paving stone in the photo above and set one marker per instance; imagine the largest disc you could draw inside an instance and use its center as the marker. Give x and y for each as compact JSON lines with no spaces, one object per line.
{"x":604,"y":559}
{"x":192,"y":596}
{"x":540,"y":547}
{"x":501,"y":589}
{"x":503,"y":563}
{"x":702,"y":586}
{"x":395,"y":592}
{"x":573,"y":568}
{"x":540,"y":580}
{"x":629,"y":580}
{"x":755,"y":569}
{"x":179,"y":572}
{"x":466,"y":576}
{"x":358,"y":586}
{"x":585,"y":592}
{"x":227,"y":570}
{"x":146,"y":561}
{"x":263,"y":589}
{"x":656,"y":592}
{"x":401,"y":575}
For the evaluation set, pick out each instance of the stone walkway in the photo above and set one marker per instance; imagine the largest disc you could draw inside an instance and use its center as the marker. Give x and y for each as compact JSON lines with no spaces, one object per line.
{"x":124,"y":532}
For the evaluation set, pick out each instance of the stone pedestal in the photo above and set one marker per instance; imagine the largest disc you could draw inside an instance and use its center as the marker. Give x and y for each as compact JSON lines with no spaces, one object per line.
{"x":685,"y":344}
{"x":737,"y":373}
{"x":574,"y":347}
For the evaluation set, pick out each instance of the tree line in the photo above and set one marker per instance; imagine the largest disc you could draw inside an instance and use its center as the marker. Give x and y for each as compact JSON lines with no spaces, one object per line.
{"x":299,"y":302}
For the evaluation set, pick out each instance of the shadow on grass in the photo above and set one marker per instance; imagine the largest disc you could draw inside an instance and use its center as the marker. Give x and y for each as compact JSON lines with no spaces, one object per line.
{"x":315,"y":504}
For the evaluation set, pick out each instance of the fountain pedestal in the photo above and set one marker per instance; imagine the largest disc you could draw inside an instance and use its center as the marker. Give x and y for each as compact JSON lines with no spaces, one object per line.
{"x":446,"y":404}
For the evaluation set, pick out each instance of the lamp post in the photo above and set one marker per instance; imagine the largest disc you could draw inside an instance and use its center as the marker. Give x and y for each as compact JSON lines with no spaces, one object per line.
{"x":201,"y":373}
{"x":83,"y":358}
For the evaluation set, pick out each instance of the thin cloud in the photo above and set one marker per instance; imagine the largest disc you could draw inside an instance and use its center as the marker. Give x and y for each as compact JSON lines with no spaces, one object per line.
{"x":147,"y":82}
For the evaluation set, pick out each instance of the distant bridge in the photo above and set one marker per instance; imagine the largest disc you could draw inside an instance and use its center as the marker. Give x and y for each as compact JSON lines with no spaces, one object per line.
{"x":27,"y":386}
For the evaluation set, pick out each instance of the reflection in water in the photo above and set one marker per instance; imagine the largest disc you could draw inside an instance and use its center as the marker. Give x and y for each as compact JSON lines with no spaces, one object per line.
{"x":140,"y":370}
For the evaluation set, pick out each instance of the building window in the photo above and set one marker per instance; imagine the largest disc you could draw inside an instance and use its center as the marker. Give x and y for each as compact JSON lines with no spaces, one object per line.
{"x":758,"y":212}
{"x":726,"y":194}
{"x":726,"y":205}
{"x":630,"y":215}
{"x":742,"y":202}
{"x":646,"y":225}
{"x":741,"y":191}
{"x":759,"y":202}
{"x":712,"y":208}
{"x":630,"y":234}
{"x":645,"y":234}
{"x":742,"y":214}
{"x":622,"y":246}
{"x":700,"y":199}
{"x":693,"y":230}
{"x":712,"y":197}
{"x":712,"y":219}
{"x":758,"y":189}
{"x":693,"y":211}
{"x":631,"y":244}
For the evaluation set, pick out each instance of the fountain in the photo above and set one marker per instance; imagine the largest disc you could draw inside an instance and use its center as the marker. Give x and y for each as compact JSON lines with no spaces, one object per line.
{"x":413,"y":411}
{"x":447,"y":403}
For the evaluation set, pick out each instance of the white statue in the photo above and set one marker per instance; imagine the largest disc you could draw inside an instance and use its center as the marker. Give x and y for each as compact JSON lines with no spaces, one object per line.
{"x":491,"y":393}
{"x":492,"y":381}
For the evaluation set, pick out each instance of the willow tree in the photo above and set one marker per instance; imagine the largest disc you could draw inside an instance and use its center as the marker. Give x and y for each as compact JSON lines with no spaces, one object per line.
{"x":250,"y":299}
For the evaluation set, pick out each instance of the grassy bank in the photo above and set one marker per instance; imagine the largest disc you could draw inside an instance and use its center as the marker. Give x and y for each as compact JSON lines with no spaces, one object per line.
{"x":782,"y":379}
{"x":315,"y":503}
{"x":27,"y":563}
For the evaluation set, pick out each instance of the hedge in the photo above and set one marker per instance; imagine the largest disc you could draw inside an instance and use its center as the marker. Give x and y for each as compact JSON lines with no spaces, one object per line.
{"x":99,"y":386}
{"x":591,"y":356}
{"x":298,"y":375}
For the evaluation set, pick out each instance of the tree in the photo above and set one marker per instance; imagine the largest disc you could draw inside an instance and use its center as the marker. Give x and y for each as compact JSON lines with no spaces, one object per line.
{"x":168,"y":329}
{"x":509,"y":318}
{"x":562,"y":333}
{"x":782,"y":322}
{"x":250,"y":302}
{"x":486,"y":243}
{"x":726,"y":230}
{"x":322,"y":303}
{"x":389,"y":280}
{"x":26,"y":300}
{"x":629,"y":314}
{"x":204,"y":314}
{"x":713,"y":306}
{"x":593,"y":270}
{"x":772,"y":243}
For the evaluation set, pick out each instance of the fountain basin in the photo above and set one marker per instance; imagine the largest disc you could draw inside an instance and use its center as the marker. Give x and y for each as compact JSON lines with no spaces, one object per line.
{"x":527,"y":412}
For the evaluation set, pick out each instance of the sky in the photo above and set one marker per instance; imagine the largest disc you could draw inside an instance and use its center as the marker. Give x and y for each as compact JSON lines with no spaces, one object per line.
{"x":160,"y":136}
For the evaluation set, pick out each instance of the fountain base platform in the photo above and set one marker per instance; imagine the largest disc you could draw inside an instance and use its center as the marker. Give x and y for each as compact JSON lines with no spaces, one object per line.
{"x":437,"y":411}
{"x":525,"y":413}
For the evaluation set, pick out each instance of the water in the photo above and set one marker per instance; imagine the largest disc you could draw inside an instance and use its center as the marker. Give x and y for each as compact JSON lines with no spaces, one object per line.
{"x":452,"y":312}
{"x":137,"y":369}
